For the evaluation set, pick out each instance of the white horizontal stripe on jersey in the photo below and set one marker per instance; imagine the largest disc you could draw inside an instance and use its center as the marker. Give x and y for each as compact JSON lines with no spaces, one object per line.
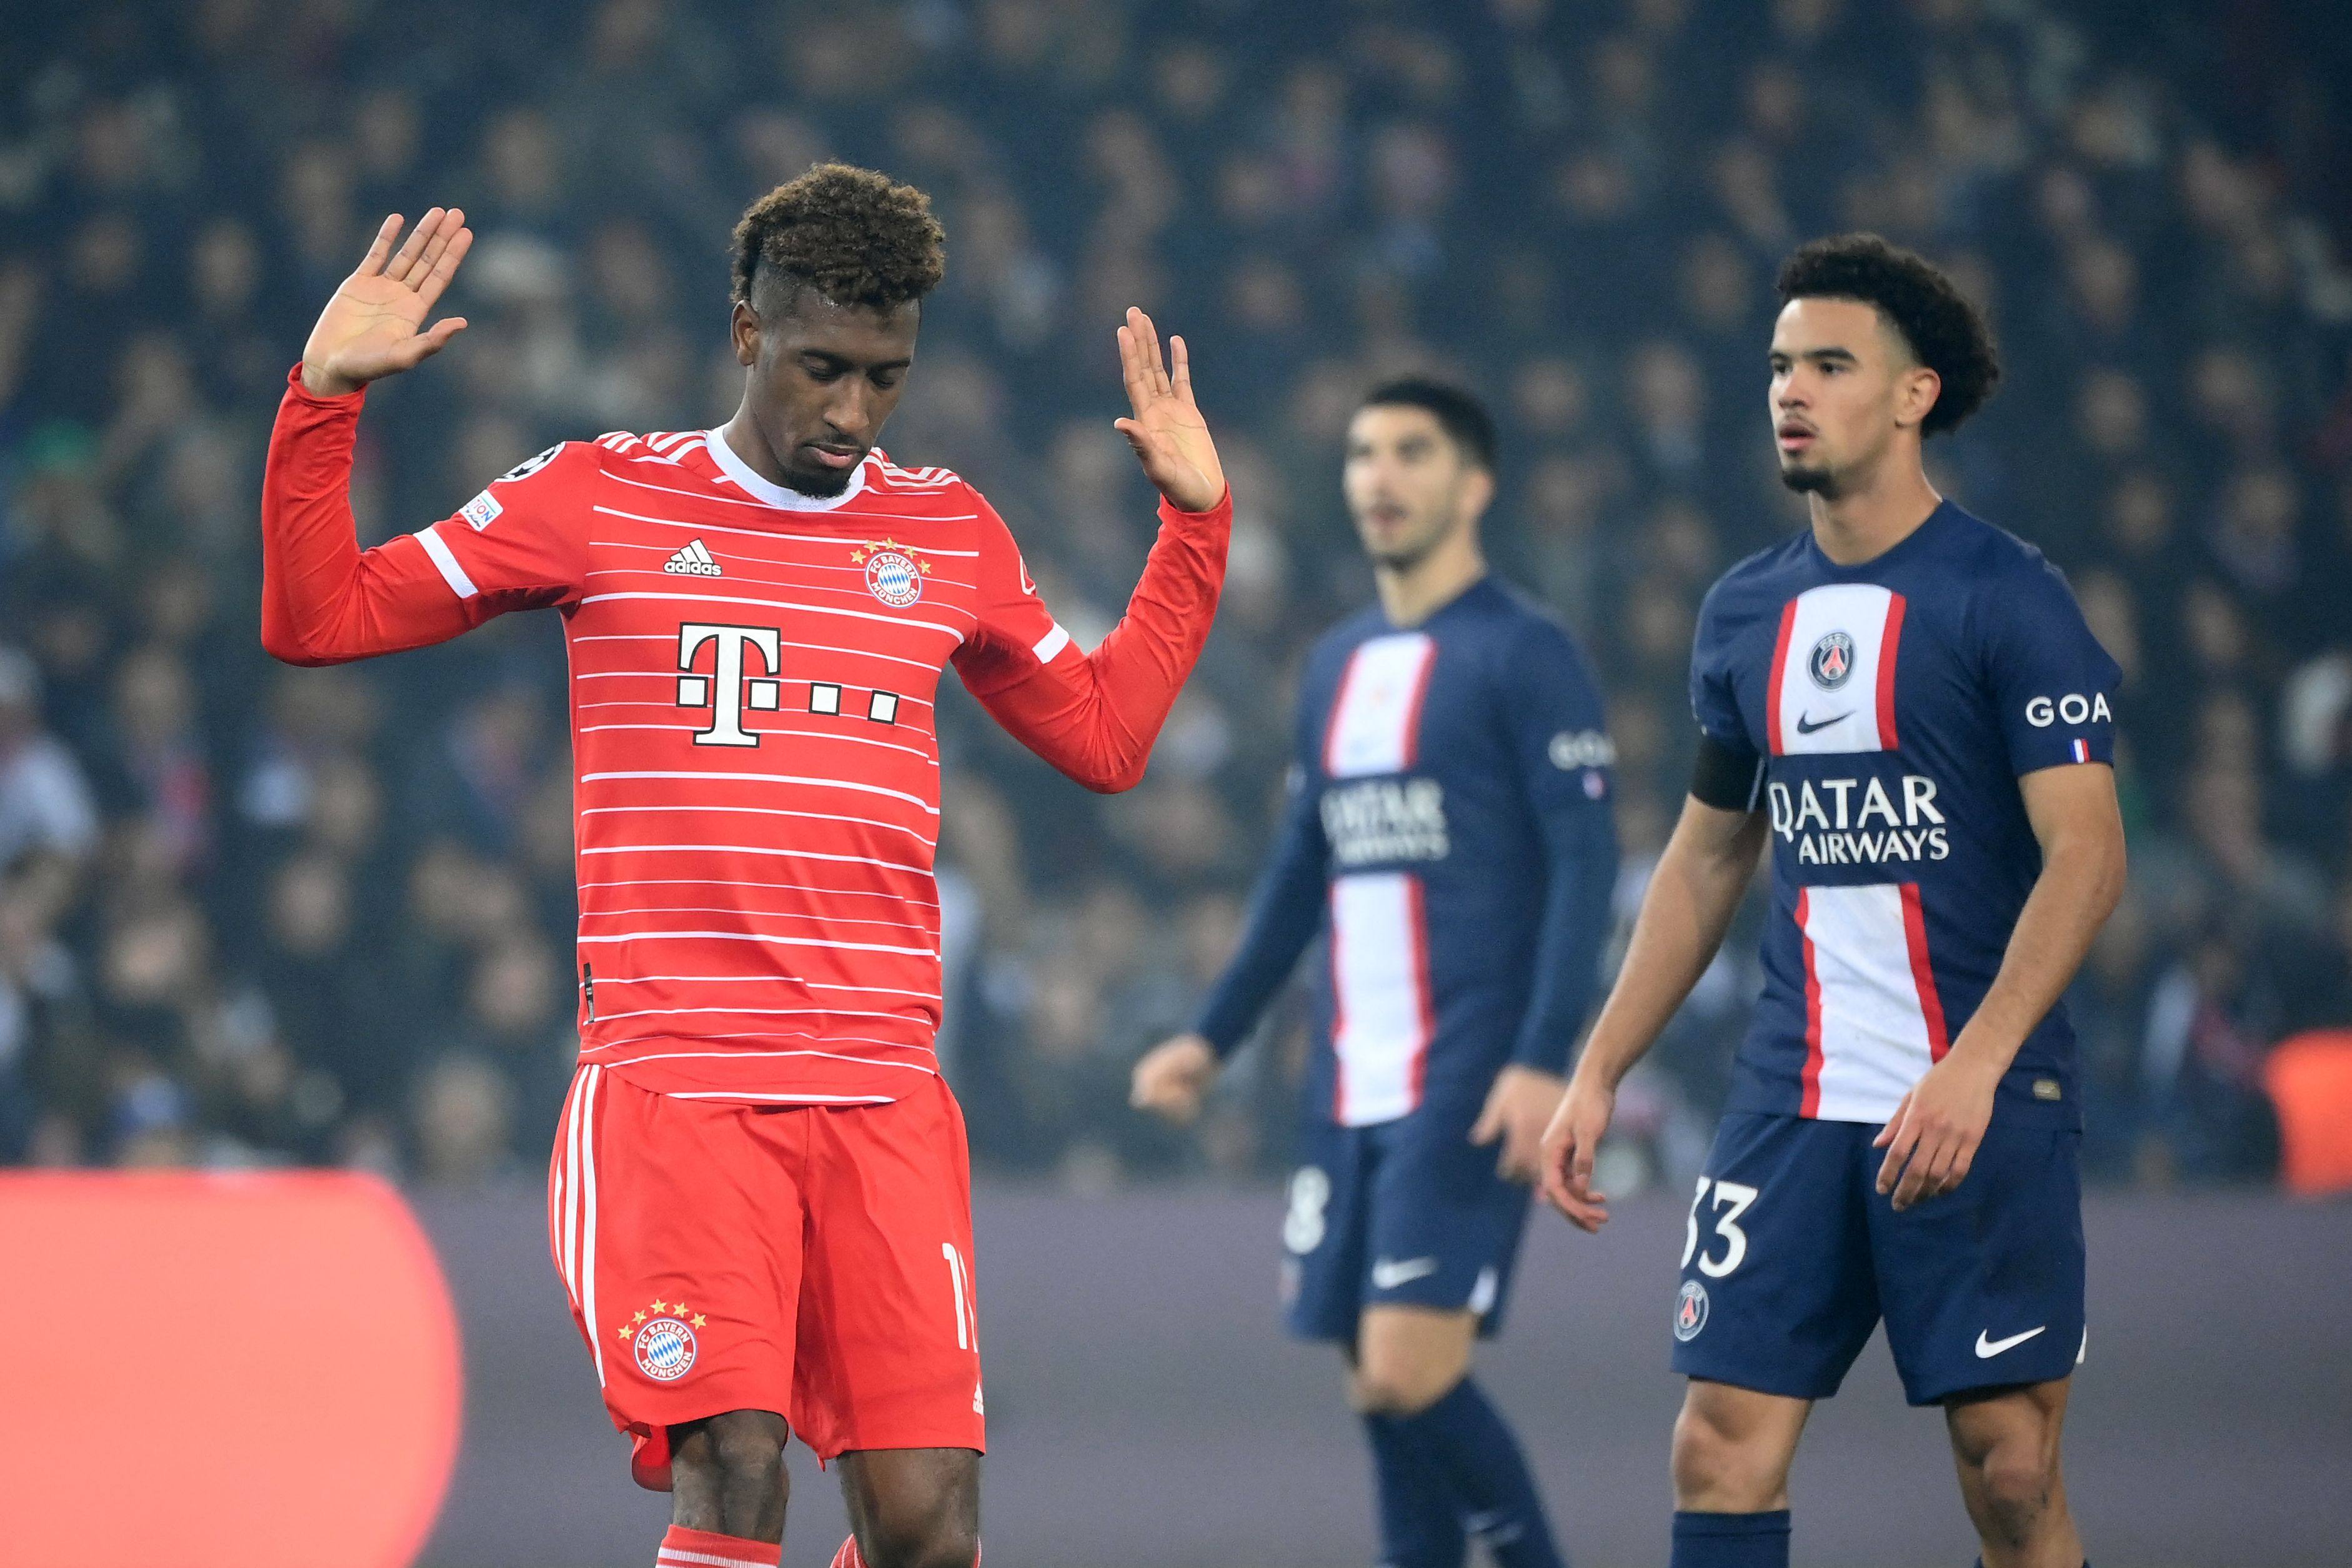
{"x":930,"y":579}
{"x":656,"y":574}
{"x":931,"y":665}
{"x":768,"y":778}
{"x":754,"y":849}
{"x":814,"y":1039}
{"x":804,"y":733}
{"x":768,"y":937}
{"x":752,"y":915}
{"x":451,"y":573}
{"x":794,"y":886}
{"x":778,"y":533}
{"x":784,"y":1099}
{"x":758,"y":980}
{"x":1051,"y":644}
{"x":761,"y":811}
{"x":750,"y":1013}
{"x":764,"y":1055}
{"x":672,"y":701}
{"x":785,"y":604}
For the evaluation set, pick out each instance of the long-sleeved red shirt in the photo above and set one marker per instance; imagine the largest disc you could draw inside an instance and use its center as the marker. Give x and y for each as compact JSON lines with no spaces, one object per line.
{"x":755,"y":763}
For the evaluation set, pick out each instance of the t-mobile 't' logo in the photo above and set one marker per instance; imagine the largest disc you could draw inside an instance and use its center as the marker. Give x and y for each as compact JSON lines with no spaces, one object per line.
{"x":726,"y":692}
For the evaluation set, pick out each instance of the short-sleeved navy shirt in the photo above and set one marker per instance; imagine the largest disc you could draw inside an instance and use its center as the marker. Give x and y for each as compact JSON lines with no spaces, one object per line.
{"x":1894,"y":706}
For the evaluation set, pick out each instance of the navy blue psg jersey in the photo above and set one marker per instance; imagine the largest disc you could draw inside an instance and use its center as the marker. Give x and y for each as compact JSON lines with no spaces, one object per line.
{"x":1449,"y":829}
{"x":1894,"y":706}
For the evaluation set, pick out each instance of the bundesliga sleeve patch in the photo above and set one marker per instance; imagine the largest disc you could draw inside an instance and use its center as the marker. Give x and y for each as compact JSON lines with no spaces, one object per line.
{"x":480,"y":511}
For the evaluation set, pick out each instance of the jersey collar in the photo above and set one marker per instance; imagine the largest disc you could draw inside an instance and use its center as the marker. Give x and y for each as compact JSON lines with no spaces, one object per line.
{"x":768,"y":490}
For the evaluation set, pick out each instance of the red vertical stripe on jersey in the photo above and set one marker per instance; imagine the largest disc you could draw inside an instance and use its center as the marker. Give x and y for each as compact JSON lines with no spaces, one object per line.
{"x":1412,"y":745}
{"x":1338,"y":999}
{"x":1421,"y":990}
{"x":1338,"y":706}
{"x":1889,"y":641}
{"x":1779,"y":670}
{"x":1923,"y":976}
{"x":1812,"y":1103}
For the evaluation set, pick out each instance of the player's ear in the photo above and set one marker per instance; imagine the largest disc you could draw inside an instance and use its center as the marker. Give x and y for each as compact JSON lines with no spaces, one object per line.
{"x":1915,"y":394}
{"x":1478,"y":491}
{"x":743,"y":332}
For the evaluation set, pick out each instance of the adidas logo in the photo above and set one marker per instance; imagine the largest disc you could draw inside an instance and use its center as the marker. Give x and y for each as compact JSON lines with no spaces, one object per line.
{"x":694,"y":561}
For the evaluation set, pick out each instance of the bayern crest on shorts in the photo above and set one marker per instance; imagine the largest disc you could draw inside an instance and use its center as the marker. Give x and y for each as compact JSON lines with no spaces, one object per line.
{"x":893,"y":574}
{"x":664,"y":1341}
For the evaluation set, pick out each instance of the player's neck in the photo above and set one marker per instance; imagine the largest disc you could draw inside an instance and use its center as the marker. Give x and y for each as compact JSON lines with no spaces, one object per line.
{"x":743,"y":438}
{"x":1864,"y":523}
{"x":1412,"y":594}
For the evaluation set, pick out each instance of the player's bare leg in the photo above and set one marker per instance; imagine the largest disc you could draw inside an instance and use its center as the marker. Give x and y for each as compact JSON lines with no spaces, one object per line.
{"x":2005,"y":1446}
{"x":913,"y":1508}
{"x":1407,"y":1358}
{"x":1733,"y":1448}
{"x":1439,"y":1445}
{"x":727,"y":1475}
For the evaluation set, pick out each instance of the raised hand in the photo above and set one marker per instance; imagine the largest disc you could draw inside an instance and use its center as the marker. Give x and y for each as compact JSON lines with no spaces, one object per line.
{"x":1169,"y":437}
{"x":374,"y":325}
{"x":1173,"y":1075}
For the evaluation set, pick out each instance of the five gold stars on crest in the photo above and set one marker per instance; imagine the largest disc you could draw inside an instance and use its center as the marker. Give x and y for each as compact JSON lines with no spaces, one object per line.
{"x":671,"y":1309}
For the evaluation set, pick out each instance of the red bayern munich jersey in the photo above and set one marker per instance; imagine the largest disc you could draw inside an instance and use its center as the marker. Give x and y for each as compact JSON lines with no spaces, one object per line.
{"x":753,"y":679}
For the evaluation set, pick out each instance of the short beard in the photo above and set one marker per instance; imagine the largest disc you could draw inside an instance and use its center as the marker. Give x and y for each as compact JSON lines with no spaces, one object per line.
{"x":1810,"y":481}
{"x":821,"y":484}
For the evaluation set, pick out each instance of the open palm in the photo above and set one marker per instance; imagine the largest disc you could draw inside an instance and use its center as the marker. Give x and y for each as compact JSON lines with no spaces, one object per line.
{"x":374,"y":325}
{"x":1169,"y":437}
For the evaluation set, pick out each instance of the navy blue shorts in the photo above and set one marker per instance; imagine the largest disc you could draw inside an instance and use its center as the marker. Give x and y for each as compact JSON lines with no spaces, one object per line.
{"x":1791,"y":1256}
{"x":1406,"y":1213}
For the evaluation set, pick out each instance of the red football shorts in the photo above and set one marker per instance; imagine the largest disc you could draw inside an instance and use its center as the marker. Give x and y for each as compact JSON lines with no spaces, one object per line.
{"x":812,"y":1260}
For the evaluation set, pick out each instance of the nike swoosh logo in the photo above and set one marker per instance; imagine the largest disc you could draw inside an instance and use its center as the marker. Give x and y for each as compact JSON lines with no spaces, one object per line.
{"x":1807,"y":724}
{"x":1388,"y":1275}
{"x":1988,"y":1348}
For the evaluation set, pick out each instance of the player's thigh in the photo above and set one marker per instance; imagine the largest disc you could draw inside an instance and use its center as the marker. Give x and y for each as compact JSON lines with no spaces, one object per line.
{"x":676,"y":1226}
{"x":1408,"y":1358}
{"x":1983,"y":1286}
{"x":889,"y":1353}
{"x":1444,"y":1229}
{"x":1324,"y":1239}
{"x":1777,"y":1292}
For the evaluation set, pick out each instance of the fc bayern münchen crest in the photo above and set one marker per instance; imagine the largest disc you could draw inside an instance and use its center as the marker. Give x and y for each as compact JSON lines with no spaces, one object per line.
{"x":892,"y":573}
{"x":665,"y":1350}
{"x":1832,"y":661}
{"x":664,"y":1340}
{"x":1690,"y":1310}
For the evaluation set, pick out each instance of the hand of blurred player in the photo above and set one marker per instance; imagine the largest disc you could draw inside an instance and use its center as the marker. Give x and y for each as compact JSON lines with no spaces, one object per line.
{"x":1173,"y":1076}
{"x":1169,"y":437}
{"x":1933,"y":1135}
{"x":374,"y":325}
{"x":1569,"y":1143}
{"x":1517,"y":1106}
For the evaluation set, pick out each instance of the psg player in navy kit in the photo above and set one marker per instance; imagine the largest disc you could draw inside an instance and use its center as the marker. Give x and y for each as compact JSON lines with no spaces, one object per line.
{"x":1450,"y":833}
{"x":1904,"y":702}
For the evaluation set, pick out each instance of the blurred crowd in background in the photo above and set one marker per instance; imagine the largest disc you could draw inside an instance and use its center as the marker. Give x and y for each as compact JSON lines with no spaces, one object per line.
{"x":256,"y":914}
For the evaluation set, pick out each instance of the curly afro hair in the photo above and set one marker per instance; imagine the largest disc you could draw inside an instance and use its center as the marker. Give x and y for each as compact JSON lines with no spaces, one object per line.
{"x":853,"y":234}
{"x":1945,"y":332}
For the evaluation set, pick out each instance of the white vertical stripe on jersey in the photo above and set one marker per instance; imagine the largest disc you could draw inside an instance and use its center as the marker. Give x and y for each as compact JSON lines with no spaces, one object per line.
{"x":1379,"y":983}
{"x":1376,"y":716}
{"x":1875,"y":1039}
{"x":1859,"y":610}
{"x":451,"y":573}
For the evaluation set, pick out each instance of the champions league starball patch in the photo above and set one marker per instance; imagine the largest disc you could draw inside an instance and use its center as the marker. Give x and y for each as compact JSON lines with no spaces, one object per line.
{"x":1832,"y":661}
{"x":663,"y":1338}
{"x":893,"y":574}
{"x":1690,"y":1310}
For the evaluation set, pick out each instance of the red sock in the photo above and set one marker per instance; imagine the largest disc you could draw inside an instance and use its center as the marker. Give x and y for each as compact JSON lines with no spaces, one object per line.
{"x":684,"y":1548}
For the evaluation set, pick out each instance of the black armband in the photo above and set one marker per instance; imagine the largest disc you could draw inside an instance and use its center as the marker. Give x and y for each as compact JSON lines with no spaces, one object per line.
{"x":1727,"y":776}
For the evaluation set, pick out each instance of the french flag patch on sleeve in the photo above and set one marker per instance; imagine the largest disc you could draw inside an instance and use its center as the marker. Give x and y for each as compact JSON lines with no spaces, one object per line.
{"x":2081,"y":749}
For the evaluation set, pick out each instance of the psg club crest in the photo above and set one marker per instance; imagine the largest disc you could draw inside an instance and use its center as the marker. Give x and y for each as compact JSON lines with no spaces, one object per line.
{"x":1690,"y":1310}
{"x":894,"y":573}
{"x":1832,"y":661}
{"x":663,"y":1338}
